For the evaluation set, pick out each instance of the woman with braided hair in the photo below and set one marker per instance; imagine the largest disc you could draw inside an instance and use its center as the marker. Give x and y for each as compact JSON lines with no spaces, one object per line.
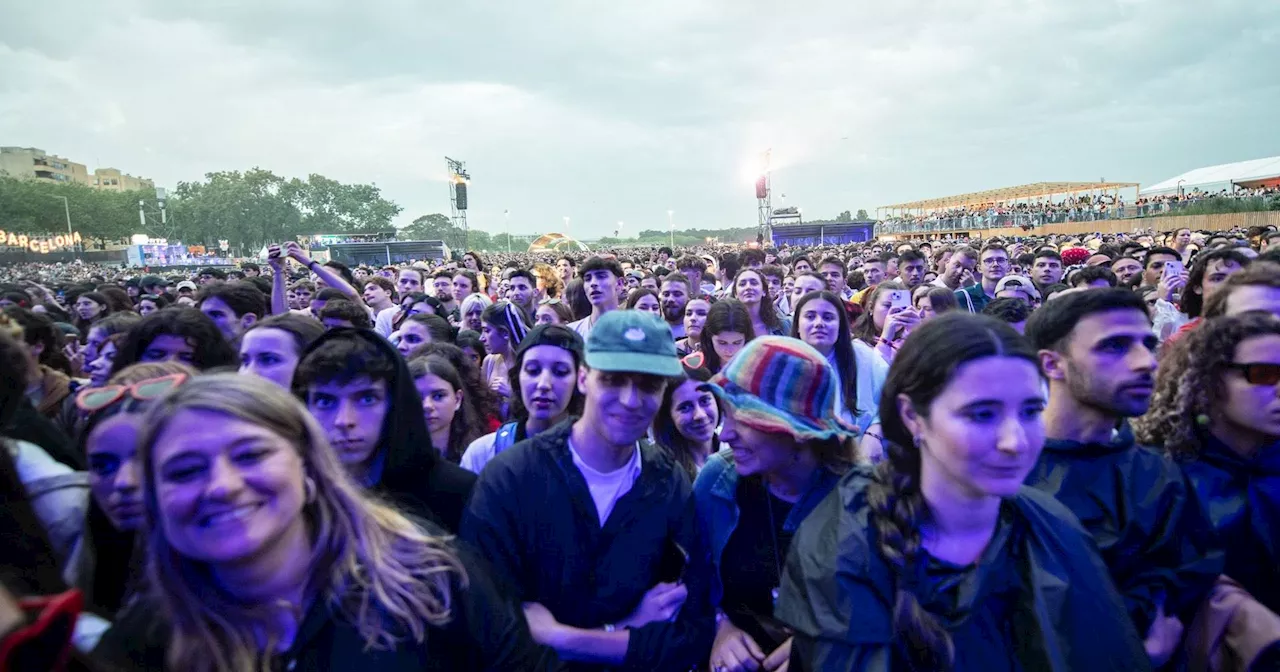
{"x":939,"y":558}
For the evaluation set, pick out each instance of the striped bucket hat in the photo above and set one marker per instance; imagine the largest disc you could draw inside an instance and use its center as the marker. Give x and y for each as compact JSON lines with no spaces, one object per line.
{"x":782,"y":385}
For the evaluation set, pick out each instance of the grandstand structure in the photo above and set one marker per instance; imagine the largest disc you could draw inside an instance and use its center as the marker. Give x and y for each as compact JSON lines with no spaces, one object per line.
{"x":1018,"y":208}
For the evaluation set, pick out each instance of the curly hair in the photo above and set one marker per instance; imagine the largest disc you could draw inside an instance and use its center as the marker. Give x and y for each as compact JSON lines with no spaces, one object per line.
{"x":1190,"y":379}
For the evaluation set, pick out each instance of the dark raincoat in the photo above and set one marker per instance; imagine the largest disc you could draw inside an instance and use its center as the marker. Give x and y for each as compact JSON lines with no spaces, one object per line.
{"x":1242,"y":498}
{"x":1142,"y":513}
{"x":1038,"y":599}
{"x":413,"y":476}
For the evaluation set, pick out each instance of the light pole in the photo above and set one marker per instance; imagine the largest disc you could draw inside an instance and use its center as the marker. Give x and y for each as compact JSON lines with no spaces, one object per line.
{"x":566,"y":226}
{"x":671,"y":222}
{"x":617,"y":232}
{"x":506,"y":216}
{"x":66,"y":208}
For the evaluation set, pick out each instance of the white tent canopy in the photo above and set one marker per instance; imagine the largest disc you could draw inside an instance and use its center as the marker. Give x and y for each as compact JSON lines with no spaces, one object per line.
{"x":1216,"y":178}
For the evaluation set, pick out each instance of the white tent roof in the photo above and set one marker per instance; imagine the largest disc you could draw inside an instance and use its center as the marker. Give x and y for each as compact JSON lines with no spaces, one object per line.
{"x":1219,"y":176}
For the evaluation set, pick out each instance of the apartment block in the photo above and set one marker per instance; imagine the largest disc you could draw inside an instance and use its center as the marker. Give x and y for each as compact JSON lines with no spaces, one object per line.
{"x":35,"y":164}
{"x":32,"y":163}
{"x":112,"y":179}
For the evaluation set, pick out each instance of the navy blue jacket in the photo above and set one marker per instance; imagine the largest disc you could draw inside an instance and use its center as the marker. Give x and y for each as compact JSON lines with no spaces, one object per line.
{"x":532,"y":516}
{"x":1142,"y":513}
{"x":1242,"y":498}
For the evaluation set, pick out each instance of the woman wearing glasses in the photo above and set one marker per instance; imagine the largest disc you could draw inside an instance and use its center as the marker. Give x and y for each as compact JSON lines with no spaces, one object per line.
{"x":1216,"y":409}
{"x":263,"y":554}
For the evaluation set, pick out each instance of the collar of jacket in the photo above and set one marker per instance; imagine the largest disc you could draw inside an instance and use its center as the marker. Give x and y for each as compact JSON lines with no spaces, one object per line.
{"x":820,"y":483}
{"x":54,"y":387}
{"x":1121,"y":440}
{"x":1265,"y":463}
{"x":653,"y":462}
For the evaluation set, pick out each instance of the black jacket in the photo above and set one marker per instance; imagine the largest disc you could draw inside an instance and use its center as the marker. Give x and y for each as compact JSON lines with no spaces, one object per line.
{"x":533,"y":518}
{"x":1242,"y":498}
{"x":1142,"y":513}
{"x":414,"y":476}
{"x":487,"y":632}
{"x":1038,"y":599}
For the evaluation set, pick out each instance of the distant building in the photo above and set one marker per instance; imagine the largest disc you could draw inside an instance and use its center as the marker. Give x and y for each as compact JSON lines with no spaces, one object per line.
{"x":34,"y":164}
{"x":112,"y":179}
{"x":31,"y":163}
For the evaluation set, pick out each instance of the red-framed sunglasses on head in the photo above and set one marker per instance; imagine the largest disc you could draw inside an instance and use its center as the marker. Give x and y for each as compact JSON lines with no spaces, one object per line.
{"x":98,"y":398}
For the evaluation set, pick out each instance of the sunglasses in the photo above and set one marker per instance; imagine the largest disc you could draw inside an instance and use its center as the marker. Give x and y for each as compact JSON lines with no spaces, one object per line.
{"x":98,"y":398}
{"x":1261,"y":373}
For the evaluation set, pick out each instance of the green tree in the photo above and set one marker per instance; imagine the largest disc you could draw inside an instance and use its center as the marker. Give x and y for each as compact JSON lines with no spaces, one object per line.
{"x":429,"y":227}
{"x":862,"y":215}
{"x":844,"y":217}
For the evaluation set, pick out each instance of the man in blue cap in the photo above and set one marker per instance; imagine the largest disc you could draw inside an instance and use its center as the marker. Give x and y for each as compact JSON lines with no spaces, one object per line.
{"x":592,"y":527}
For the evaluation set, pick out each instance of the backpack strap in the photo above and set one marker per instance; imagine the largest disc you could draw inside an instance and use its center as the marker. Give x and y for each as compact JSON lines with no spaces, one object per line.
{"x":506,"y":437}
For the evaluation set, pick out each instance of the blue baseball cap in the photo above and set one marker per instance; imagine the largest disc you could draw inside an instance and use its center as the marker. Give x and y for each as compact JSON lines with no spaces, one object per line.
{"x":632,"y":341}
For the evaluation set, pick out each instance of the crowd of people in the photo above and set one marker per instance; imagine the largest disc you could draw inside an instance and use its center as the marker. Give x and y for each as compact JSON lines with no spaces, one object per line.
{"x":1048,"y":453}
{"x":1081,"y":208}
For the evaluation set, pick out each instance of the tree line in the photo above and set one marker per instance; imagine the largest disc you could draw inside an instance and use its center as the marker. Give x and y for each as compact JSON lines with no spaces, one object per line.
{"x":248,"y":209}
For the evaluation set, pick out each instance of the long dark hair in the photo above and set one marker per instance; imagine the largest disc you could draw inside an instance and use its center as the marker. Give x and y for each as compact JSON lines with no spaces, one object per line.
{"x":664,"y":426}
{"x":768,"y":315}
{"x":724,"y":315}
{"x":921,"y":371}
{"x":846,"y":362}
{"x":466,"y":425}
{"x":474,"y":387}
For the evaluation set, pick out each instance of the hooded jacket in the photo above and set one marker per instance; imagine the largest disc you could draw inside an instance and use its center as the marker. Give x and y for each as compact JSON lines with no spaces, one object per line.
{"x":1242,"y":498}
{"x":412,"y":475}
{"x":1142,"y":513}
{"x":1039,"y":598}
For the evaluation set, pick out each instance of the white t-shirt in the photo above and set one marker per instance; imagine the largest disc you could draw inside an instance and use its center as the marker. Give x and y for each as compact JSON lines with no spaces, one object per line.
{"x":607,"y":488}
{"x":382,"y":323}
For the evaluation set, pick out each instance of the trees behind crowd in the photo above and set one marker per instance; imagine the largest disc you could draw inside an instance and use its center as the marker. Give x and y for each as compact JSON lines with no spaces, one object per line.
{"x":247,"y":209}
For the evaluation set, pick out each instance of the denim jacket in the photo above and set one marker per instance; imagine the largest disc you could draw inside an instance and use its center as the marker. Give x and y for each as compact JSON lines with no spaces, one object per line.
{"x":714,"y":492}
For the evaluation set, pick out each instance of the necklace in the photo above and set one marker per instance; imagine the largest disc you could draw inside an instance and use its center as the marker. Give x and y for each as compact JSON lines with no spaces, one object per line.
{"x":773,"y":535}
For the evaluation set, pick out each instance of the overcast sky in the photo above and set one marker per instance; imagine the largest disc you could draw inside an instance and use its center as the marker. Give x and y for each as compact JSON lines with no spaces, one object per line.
{"x":608,"y":111}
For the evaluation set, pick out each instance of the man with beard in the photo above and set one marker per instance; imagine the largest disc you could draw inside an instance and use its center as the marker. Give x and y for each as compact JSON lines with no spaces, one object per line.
{"x":1097,"y":351}
{"x":674,"y":296}
{"x":442,"y":284}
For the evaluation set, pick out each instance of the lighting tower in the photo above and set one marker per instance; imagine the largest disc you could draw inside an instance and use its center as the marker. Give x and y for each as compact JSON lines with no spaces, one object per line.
{"x":458,"y":179}
{"x":764,"y":199}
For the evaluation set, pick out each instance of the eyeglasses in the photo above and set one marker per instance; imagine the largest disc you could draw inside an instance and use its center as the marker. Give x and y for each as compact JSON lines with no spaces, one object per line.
{"x":995,"y":261}
{"x":98,"y":398}
{"x":1258,"y":373}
